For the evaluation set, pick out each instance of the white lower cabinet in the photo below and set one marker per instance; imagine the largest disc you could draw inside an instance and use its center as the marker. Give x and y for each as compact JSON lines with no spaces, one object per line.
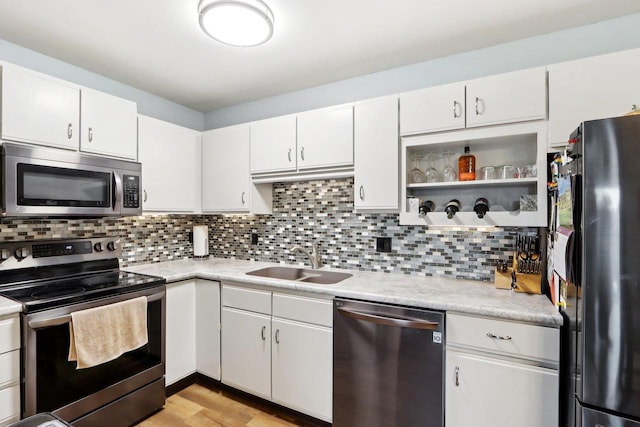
{"x":180,"y":330}
{"x":500,"y":373}
{"x":279,"y":347}
{"x":208,"y":328}
{"x":9,"y":369}
{"x":246,"y":351}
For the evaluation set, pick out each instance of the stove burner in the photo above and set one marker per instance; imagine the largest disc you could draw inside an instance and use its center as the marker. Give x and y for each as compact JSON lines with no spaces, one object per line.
{"x":62,"y":291}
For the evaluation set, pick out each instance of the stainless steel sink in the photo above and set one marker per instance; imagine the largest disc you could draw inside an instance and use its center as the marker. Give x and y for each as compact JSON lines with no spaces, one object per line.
{"x":301,"y":275}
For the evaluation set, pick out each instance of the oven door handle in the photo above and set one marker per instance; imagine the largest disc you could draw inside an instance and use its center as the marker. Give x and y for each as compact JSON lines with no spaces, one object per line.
{"x":402,"y":322}
{"x":61,"y":320}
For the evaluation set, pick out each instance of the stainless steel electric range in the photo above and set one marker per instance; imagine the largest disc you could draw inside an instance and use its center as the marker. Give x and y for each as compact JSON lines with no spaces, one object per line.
{"x":54,"y":278}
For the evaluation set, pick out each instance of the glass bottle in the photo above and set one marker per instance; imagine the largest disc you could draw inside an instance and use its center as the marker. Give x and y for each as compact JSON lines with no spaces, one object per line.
{"x":452,"y":207}
{"x":467,"y":166}
{"x":426,"y":207}
{"x":481,"y":207}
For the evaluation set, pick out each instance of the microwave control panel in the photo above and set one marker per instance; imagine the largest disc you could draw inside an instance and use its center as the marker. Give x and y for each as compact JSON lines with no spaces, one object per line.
{"x":131,"y":191}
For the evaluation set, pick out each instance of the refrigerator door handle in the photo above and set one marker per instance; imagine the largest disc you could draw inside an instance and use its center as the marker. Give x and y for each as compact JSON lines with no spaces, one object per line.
{"x":389,"y":321}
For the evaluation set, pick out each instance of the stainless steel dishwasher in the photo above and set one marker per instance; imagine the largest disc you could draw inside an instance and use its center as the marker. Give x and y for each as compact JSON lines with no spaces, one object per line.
{"x":388,"y":365}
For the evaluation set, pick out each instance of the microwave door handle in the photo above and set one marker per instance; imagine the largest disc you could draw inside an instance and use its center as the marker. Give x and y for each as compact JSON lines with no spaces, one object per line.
{"x":117,"y":191}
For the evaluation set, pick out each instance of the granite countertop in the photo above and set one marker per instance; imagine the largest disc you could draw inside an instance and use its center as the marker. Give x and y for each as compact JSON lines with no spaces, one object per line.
{"x":460,"y":296}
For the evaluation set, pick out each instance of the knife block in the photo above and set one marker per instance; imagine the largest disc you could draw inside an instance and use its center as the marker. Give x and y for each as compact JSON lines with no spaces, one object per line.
{"x":527,"y":283}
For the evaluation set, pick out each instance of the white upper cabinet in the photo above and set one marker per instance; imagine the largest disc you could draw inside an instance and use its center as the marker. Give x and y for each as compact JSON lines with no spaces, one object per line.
{"x":433,"y":109}
{"x":592,"y":88}
{"x":226,"y":181}
{"x":108,"y":125}
{"x":273,"y":145}
{"x":506,"y":98}
{"x":376,"y":147}
{"x":503,"y":98}
{"x":39,"y":110}
{"x":325,"y":138}
{"x":170,"y":157}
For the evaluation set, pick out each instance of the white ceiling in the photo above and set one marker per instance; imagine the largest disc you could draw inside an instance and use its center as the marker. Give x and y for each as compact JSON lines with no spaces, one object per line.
{"x":157,"y":45}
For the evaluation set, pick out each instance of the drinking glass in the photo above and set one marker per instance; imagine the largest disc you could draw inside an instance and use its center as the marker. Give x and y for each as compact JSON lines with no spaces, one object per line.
{"x":449,"y":173}
{"x":416,"y":176}
{"x":432,"y":173}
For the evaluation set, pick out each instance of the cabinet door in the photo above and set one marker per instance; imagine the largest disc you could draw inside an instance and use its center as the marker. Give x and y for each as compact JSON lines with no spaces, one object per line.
{"x":505,"y":98}
{"x":170,"y":157}
{"x":108,"y":125}
{"x":208,"y":328}
{"x":273,"y":145}
{"x":246,"y":351}
{"x":376,"y":148}
{"x":592,"y":88}
{"x":39,"y":110}
{"x":325,"y":138}
{"x":226,"y":181}
{"x":432,"y":109}
{"x":180,"y":330}
{"x":485,"y":392}
{"x":302,"y":367}
{"x":9,"y":404}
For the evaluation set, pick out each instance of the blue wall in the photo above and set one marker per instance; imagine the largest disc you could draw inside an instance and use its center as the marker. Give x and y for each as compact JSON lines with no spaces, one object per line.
{"x":603,"y":37}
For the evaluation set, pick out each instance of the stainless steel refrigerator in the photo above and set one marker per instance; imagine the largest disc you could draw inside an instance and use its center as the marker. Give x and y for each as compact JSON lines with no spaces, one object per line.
{"x":603,"y":263}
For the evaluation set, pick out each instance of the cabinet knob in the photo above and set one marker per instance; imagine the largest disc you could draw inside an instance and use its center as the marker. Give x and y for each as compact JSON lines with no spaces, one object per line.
{"x":457,"y":109}
{"x":242,"y":197}
{"x":263,"y":333}
{"x":277,"y":336}
{"x":477,"y":105}
{"x":499,"y":337}
{"x":145,"y":196}
{"x":362,"y":192}
{"x":289,"y":154}
{"x":302,"y":153}
{"x":90,"y":134}
{"x":69,"y":130}
{"x":456,"y":372}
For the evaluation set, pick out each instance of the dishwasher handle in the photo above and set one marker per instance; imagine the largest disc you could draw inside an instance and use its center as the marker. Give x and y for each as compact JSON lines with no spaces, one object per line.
{"x":389,"y":321}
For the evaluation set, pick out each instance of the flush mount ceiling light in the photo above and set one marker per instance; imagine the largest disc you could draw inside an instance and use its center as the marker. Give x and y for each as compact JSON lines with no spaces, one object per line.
{"x":236,"y":22}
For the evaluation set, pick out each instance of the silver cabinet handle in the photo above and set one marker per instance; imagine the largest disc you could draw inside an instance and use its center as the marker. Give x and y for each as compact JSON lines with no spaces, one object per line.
{"x":498,"y":337}
{"x":457,"y":109}
{"x":277,"y":336}
{"x":90,"y":134}
{"x":302,"y":153}
{"x":478,"y":102}
{"x":70,"y":131}
{"x":289,"y":154}
{"x":457,"y":376}
{"x":145,"y":196}
{"x":362,"y":192}
{"x":242,"y":197}
{"x":264,"y":330}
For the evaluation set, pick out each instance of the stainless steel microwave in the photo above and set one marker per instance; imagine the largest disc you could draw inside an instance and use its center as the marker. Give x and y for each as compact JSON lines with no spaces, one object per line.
{"x":43,"y":182}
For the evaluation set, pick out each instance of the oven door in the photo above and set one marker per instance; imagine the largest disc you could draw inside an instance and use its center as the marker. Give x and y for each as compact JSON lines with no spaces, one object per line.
{"x":53,"y":384}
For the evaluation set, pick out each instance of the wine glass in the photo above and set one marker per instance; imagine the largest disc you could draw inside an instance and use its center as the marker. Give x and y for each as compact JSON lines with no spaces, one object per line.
{"x":432,"y":173}
{"x":449,"y":173}
{"x":416,"y":175}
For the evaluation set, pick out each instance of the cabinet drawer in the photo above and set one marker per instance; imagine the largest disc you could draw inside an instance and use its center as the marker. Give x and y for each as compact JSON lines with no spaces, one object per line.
{"x":9,"y":404}
{"x":246,"y":299}
{"x":302,"y":309}
{"x":9,"y":367}
{"x":499,"y":336}
{"x":9,"y":334}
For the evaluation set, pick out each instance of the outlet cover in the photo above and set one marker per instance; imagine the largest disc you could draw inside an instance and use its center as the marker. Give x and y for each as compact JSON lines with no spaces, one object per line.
{"x":383,"y":244}
{"x":254,"y":238}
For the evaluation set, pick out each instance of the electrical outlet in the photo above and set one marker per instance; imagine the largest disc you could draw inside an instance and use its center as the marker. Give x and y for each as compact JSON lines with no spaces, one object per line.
{"x":254,"y":238}
{"x":190,"y":237}
{"x":383,"y":244}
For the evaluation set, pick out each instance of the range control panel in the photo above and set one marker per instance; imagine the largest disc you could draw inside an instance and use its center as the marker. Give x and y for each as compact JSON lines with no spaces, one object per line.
{"x":37,"y":253}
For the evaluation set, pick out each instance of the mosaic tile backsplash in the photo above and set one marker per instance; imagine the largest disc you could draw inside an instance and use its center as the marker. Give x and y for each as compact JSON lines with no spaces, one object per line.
{"x":303,"y":212}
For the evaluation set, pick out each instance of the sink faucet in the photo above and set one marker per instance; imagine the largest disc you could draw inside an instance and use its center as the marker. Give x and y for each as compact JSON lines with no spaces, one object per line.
{"x":314,"y":257}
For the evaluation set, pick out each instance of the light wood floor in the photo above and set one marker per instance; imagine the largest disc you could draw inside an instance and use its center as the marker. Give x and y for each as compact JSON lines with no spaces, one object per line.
{"x":198,"y":406}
